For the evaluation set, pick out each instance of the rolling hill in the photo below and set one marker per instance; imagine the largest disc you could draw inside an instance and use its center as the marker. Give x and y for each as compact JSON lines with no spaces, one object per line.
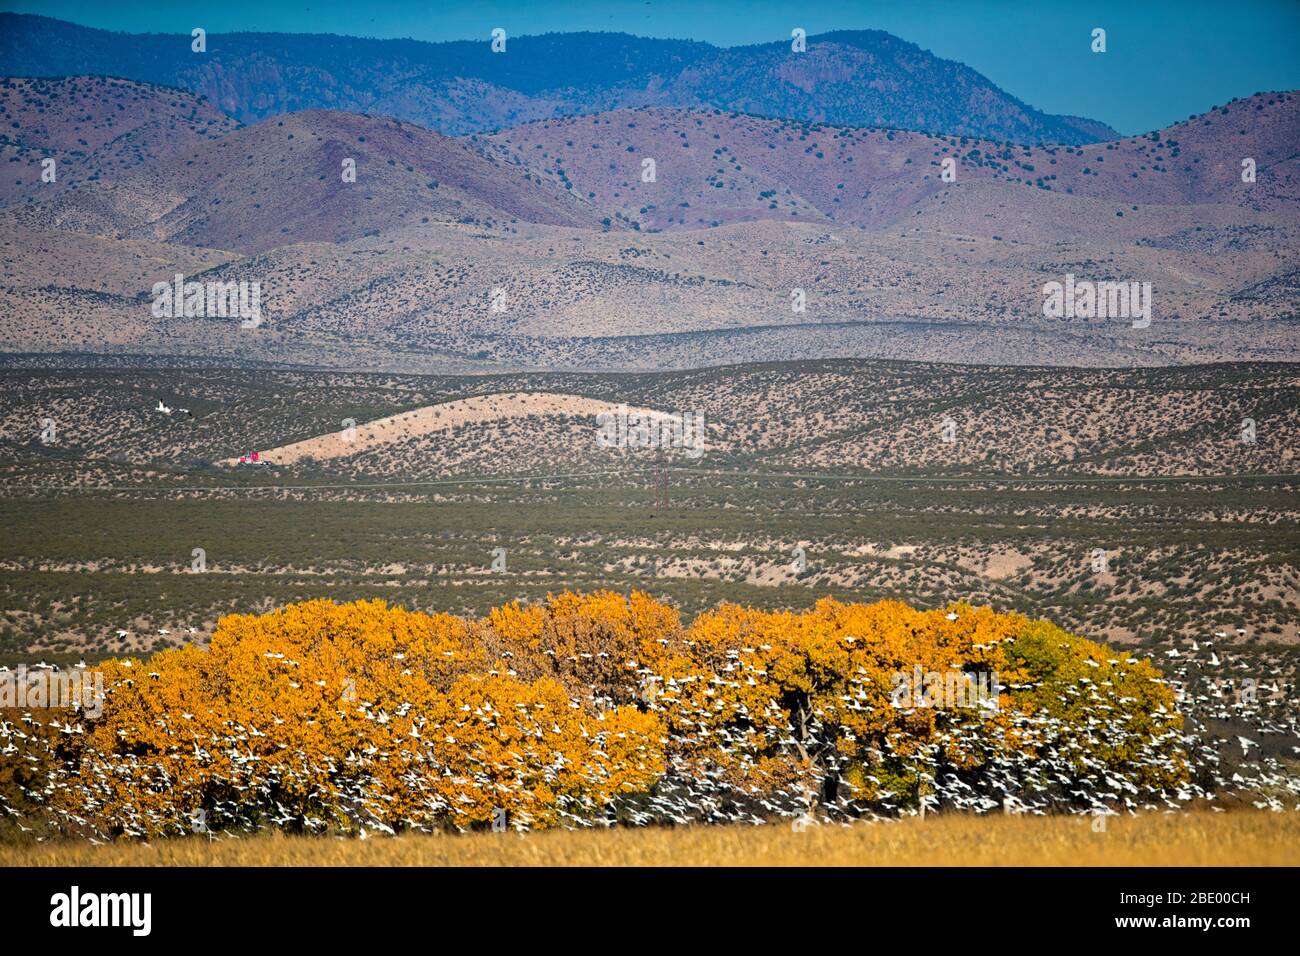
{"x":846,"y":460}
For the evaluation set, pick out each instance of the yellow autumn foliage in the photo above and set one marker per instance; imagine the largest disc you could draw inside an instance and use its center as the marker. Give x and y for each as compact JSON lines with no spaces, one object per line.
{"x":351,"y":717}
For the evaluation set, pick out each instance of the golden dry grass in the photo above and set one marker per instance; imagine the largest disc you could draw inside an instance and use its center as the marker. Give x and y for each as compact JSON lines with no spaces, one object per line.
{"x":1239,"y":838}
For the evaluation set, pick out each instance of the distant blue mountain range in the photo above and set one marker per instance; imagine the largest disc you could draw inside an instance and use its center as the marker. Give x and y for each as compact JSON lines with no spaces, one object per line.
{"x":850,"y":78}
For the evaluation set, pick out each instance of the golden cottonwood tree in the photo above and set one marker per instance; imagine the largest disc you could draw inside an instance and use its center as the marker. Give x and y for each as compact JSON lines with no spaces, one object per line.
{"x":323,"y":716}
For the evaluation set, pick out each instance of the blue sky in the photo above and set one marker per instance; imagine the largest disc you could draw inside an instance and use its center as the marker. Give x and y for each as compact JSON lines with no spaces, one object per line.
{"x":1165,"y":60}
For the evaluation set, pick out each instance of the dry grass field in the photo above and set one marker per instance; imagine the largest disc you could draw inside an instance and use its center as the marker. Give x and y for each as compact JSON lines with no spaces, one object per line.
{"x":1195,"y":838}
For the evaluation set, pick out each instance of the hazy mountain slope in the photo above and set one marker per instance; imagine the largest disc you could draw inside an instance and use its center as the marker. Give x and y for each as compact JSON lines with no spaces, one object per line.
{"x":281,"y":181}
{"x":593,"y":267}
{"x":712,"y":167}
{"x":95,"y":128}
{"x":872,"y":78}
{"x":855,"y":78}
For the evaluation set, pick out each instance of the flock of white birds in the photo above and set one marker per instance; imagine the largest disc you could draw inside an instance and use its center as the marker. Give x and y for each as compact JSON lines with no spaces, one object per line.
{"x":1238,"y":736}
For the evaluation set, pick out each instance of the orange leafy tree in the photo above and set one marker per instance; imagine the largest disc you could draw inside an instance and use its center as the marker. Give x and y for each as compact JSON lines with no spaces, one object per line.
{"x":594,"y":708}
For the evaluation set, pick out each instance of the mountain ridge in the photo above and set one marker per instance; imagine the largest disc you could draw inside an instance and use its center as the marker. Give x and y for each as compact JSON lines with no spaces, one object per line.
{"x":459,"y":87}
